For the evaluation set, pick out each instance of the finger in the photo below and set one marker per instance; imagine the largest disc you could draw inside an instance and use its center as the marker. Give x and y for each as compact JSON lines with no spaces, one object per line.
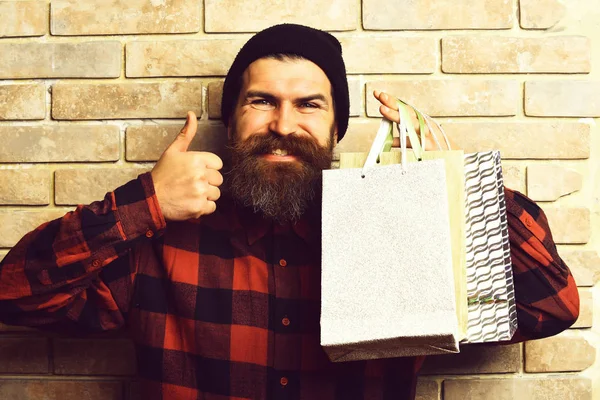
{"x":396,"y":143}
{"x":186,"y":135}
{"x":211,"y":160}
{"x":214,"y":177}
{"x":388,"y":113}
{"x":386,"y":99}
{"x":429,"y":143}
{"x":213,"y":193}
{"x":211,"y":207}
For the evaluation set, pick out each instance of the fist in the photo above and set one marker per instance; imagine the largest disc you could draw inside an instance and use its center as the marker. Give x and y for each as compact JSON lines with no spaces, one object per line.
{"x":187,"y":183}
{"x":389,"y":109}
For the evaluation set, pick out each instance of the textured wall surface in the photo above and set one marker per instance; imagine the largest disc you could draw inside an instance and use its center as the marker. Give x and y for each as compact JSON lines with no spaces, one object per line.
{"x":92,"y":91}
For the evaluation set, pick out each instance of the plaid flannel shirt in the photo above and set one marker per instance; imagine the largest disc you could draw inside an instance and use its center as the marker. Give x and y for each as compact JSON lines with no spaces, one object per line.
{"x":227,"y":306}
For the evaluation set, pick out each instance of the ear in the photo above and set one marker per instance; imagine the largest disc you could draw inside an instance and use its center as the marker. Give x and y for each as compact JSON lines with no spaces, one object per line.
{"x":334,"y":137}
{"x":230,"y":126}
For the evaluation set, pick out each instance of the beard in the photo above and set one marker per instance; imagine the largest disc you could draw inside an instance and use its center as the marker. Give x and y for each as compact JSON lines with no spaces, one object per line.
{"x":282,"y":191}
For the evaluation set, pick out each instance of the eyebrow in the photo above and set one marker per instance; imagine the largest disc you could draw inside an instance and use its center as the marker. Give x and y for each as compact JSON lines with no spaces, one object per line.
{"x":269,"y":96}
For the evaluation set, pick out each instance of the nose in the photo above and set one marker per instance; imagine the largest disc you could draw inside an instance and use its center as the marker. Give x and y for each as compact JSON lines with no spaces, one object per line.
{"x":284,"y":120}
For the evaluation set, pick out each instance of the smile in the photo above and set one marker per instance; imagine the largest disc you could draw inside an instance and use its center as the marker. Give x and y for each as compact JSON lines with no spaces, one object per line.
{"x":279,"y":152}
{"x":279,"y":155}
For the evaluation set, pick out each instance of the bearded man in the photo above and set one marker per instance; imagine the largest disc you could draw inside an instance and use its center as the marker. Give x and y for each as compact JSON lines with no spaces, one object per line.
{"x":221,"y":293}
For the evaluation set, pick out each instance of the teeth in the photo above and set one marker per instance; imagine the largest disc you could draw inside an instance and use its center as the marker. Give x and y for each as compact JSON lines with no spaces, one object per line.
{"x":279,"y":152}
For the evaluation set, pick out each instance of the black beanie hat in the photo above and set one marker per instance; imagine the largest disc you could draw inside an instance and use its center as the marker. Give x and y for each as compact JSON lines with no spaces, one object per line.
{"x":317,"y":46}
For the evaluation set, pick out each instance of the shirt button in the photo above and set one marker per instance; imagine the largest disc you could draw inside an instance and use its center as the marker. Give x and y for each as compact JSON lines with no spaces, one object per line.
{"x":284,"y":381}
{"x":285,"y":321}
{"x":282,"y":262}
{"x":96,"y":263}
{"x":149,"y":233}
{"x":528,"y":221}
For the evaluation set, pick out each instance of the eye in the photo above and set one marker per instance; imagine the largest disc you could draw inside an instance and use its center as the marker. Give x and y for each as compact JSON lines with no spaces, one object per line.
{"x":262,"y":104}
{"x":308,"y":107}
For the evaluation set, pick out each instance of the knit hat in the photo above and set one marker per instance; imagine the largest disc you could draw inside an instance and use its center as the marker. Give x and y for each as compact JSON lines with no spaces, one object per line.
{"x":317,"y":46}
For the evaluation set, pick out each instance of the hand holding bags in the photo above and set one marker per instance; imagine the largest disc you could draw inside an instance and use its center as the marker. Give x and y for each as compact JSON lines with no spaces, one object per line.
{"x":355,"y":325}
{"x":387,"y":276}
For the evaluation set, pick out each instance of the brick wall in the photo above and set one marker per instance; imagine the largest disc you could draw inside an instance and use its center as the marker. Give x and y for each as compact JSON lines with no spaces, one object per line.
{"x":92,"y":91}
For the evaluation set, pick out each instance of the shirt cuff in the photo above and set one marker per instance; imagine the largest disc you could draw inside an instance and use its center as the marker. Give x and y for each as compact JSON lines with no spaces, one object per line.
{"x":137,"y":210}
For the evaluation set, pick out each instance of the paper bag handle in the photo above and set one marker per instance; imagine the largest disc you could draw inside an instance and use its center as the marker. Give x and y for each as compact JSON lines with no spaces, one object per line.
{"x":424,"y":120}
{"x":383,"y":138}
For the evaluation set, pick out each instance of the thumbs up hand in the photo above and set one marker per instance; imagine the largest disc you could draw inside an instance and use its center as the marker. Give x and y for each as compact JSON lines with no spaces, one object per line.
{"x":187,"y":183}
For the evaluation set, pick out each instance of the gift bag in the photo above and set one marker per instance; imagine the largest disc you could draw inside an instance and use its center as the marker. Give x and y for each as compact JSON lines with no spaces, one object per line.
{"x":490,"y":286}
{"x":455,"y":182}
{"x":387,"y":275}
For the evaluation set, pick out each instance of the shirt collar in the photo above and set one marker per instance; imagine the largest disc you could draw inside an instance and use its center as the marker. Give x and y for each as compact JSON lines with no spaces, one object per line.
{"x":256,"y":226}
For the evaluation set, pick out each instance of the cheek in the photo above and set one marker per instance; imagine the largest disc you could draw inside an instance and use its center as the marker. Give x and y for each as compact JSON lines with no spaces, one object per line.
{"x":319,"y":129}
{"x":250,"y":122}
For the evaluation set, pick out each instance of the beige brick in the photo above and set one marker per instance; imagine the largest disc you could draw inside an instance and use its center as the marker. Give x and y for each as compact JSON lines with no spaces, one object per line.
{"x":586,"y":310}
{"x":24,"y":186}
{"x":390,"y":55}
{"x":255,"y":15}
{"x":355,"y":90}
{"x":569,"y":225}
{"x":94,"y":357}
{"x":126,"y":100}
{"x":148,"y":142}
{"x":27,"y":18}
{"x":59,"y":143}
{"x":60,"y":60}
{"x":181,"y":57}
{"x":22,"y":101}
{"x":541,"y":14}
{"x":496,"y":55}
{"x":441,"y":14}
{"x":83,"y":186}
{"x":99,"y":17}
{"x":548,"y":182}
{"x":562,"y":98}
{"x":215,"y":92}
{"x":514,"y":177}
{"x":521,"y":388}
{"x":585,"y":266}
{"x":475,"y":359}
{"x":23,"y":355}
{"x":427,"y":390}
{"x":359,"y":136}
{"x":566,"y":352}
{"x":29,"y":389}
{"x":517,"y":140}
{"x":3,"y":254}
{"x":14,"y":224}
{"x":452,"y":97}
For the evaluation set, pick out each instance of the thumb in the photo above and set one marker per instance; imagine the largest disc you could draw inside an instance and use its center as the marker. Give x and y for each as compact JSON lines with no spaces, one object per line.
{"x":186,"y":135}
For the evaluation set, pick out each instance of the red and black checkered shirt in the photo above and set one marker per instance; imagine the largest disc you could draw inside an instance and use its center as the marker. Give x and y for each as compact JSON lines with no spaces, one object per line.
{"x":227,"y":307}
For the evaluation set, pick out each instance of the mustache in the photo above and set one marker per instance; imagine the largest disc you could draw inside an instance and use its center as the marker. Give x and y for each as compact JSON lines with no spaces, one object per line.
{"x":303,"y":147}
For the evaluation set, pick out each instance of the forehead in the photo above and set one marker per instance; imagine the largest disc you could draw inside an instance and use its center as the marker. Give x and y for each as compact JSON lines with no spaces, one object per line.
{"x":286,"y":76}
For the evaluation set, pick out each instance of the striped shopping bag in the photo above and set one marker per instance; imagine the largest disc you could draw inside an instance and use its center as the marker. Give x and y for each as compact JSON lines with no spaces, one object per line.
{"x":492,"y":312}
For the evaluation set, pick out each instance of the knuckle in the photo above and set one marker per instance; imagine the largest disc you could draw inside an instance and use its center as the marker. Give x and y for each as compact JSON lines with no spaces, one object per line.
{"x":200,"y":189}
